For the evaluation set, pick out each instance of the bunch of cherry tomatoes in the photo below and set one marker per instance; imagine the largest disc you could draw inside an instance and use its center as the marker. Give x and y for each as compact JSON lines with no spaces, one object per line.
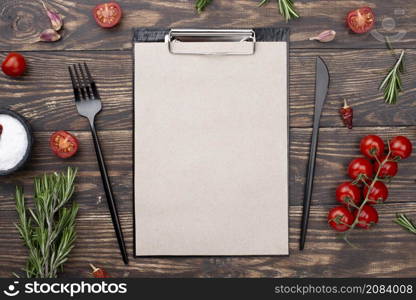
{"x":367,"y":187}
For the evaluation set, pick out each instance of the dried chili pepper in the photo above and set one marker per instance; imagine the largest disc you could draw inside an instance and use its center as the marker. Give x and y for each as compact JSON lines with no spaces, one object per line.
{"x":98,"y":272}
{"x":346,"y":114}
{"x":1,"y":129}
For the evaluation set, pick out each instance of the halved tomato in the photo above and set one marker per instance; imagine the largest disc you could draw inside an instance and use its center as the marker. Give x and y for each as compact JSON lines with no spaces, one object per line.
{"x":361,"y":20}
{"x":63,"y":144}
{"x":107,"y":15}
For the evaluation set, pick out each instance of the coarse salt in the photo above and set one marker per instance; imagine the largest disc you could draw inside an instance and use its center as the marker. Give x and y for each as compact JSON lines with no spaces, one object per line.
{"x":13,"y":142}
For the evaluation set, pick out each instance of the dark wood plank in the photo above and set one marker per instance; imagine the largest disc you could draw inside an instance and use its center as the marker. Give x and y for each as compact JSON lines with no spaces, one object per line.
{"x":337,"y":146}
{"x":356,"y":76}
{"x":21,"y":22}
{"x":45,"y":96}
{"x":117,"y":148}
{"x":385,"y":251}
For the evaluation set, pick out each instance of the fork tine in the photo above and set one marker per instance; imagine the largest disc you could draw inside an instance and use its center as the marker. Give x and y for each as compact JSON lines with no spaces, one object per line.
{"x":80,"y":84}
{"x":85,"y":81}
{"x":74,"y":84}
{"x":92,"y":82}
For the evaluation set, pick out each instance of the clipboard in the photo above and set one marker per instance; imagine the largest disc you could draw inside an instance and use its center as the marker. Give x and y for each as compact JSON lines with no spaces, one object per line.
{"x":211,"y":142}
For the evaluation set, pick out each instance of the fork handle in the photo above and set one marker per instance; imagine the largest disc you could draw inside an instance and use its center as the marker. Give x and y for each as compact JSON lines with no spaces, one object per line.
{"x":109,"y":194}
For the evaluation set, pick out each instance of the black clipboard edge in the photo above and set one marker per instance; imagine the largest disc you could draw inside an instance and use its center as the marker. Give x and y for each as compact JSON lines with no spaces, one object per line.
{"x":263,"y":34}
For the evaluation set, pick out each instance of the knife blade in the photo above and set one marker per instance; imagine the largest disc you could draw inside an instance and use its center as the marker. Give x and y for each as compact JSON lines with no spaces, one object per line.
{"x":321,"y":91}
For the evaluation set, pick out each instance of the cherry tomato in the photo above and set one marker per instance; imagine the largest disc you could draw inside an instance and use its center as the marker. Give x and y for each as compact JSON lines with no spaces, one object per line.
{"x":360,"y":166}
{"x":378,"y":193}
{"x":360,"y":20}
{"x":107,"y":15}
{"x":372,"y":146}
{"x":400,"y":147}
{"x":388,"y":170}
{"x":63,"y":144}
{"x":14,"y":64}
{"x":340,"y":218}
{"x":367,"y":218}
{"x":348,"y":193}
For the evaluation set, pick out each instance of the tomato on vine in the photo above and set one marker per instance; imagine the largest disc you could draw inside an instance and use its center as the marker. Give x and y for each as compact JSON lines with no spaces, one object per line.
{"x":400,"y":147}
{"x":340,"y":218}
{"x":372,"y":146}
{"x":360,"y":167}
{"x":348,"y":193}
{"x":389,"y":168}
{"x":378,"y":193}
{"x":367,"y":218}
{"x":367,"y":187}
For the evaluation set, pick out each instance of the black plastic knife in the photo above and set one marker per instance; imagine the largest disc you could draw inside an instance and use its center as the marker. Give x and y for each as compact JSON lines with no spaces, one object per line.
{"x":321,"y":90}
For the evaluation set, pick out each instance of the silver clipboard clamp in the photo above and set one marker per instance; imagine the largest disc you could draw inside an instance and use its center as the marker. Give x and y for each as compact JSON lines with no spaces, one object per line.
{"x":211,"y":41}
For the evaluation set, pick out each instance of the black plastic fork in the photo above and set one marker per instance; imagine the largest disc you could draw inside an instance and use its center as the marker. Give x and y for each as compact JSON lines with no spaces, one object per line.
{"x":88,"y":104}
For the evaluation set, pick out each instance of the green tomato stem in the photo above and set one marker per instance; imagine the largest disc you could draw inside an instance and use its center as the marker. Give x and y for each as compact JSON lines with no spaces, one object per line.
{"x":360,"y":208}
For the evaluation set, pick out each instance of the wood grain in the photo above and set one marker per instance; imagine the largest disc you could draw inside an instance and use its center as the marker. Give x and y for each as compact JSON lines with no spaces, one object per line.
{"x":21,"y":22}
{"x":334,"y":154}
{"x":45,"y":95}
{"x":357,"y":64}
{"x":385,"y":251}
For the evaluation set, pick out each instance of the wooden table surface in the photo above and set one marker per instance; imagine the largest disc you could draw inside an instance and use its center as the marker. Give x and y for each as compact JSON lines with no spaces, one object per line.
{"x":357,"y":64}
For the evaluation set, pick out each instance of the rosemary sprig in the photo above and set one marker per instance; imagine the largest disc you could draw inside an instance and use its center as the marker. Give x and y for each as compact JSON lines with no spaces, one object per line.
{"x":392,"y":83}
{"x":403,"y":221}
{"x":200,"y":5}
{"x":48,"y":230}
{"x":286,"y":8}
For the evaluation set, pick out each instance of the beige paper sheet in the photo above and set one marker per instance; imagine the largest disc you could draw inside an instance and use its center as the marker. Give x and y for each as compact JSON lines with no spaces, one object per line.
{"x":211,"y":169}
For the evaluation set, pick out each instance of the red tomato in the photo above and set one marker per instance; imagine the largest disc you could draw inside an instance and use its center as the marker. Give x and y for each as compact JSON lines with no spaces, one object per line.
{"x":107,"y":15}
{"x":400,"y":147}
{"x":360,"y":20}
{"x":14,"y":64}
{"x":367,"y":218}
{"x":388,"y":170}
{"x":63,"y":144}
{"x":372,"y":146}
{"x":378,"y":193}
{"x":340,"y":218}
{"x":360,"y":166}
{"x":348,"y":193}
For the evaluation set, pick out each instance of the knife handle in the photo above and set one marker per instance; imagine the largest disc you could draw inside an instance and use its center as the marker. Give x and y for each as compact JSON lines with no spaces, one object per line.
{"x":309,"y":184}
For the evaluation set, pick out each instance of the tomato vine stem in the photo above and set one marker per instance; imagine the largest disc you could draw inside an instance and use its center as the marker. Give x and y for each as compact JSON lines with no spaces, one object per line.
{"x":366,"y":199}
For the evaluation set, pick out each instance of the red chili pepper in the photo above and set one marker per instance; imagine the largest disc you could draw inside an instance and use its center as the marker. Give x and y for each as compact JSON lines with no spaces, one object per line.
{"x":346,"y":114}
{"x":1,"y":129}
{"x":98,"y":272}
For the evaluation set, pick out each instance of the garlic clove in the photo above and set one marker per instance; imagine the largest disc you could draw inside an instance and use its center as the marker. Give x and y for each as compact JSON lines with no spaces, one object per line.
{"x":55,"y":18}
{"x":324,"y":36}
{"x":49,"y":35}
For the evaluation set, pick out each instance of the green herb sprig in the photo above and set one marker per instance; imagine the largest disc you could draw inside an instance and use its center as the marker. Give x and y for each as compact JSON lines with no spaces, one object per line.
{"x":392,"y":83}
{"x":200,"y":5}
{"x":286,"y":8}
{"x":404,"y":221}
{"x":48,"y":230}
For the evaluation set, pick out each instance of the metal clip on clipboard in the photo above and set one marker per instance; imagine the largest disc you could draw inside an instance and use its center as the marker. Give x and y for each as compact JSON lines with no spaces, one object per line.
{"x":211,"y":41}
